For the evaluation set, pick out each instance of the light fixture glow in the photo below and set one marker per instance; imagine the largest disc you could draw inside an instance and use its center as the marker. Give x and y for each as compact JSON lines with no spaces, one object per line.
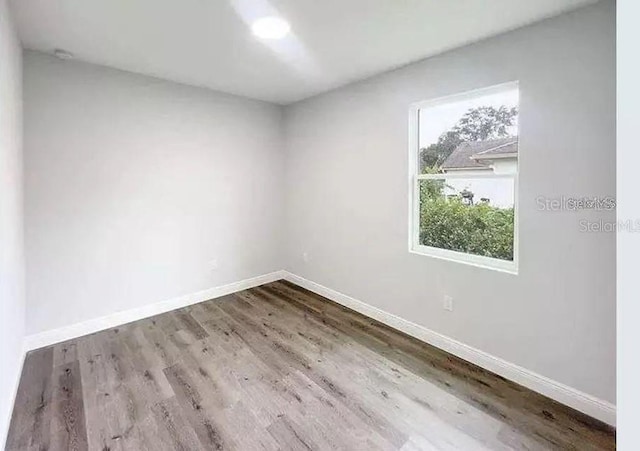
{"x":270,"y":28}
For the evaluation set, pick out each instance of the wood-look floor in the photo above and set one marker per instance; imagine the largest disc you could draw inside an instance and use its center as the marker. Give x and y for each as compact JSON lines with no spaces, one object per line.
{"x":276,"y":367}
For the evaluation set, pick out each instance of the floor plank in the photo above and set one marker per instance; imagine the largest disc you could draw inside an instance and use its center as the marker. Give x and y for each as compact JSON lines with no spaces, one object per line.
{"x":68,"y":428}
{"x":30,"y":424}
{"x":277,"y":367}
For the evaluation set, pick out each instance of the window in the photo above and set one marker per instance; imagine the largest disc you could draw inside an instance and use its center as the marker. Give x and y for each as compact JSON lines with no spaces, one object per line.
{"x":463,"y":177}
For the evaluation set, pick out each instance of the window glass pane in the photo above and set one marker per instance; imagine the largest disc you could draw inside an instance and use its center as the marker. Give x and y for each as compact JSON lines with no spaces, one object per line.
{"x":474,"y":216}
{"x":475,"y":133}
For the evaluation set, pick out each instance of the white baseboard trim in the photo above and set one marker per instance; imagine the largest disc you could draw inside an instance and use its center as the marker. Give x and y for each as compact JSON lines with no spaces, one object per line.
{"x":50,"y":337}
{"x":590,"y":405}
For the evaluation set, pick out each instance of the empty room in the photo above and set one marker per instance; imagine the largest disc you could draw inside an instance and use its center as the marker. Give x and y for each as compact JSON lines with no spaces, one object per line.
{"x":294,"y":225}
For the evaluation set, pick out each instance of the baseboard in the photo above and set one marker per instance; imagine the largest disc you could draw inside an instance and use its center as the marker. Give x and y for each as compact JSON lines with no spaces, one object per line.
{"x":50,"y":337}
{"x":583,"y":402}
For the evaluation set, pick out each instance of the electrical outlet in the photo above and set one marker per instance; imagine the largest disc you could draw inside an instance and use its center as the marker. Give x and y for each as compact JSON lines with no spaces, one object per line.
{"x":305,"y":257}
{"x":447,"y":303}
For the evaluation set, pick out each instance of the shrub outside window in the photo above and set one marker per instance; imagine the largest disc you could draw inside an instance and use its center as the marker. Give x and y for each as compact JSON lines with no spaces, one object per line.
{"x":463,"y":177}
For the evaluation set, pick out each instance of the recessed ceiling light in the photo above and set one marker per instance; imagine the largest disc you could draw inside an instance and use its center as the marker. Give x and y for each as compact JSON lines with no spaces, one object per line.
{"x":270,"y":28}
{"x":63,"y":54}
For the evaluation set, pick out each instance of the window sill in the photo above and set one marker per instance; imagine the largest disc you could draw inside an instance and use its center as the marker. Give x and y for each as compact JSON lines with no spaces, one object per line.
{"x":479,"y":261}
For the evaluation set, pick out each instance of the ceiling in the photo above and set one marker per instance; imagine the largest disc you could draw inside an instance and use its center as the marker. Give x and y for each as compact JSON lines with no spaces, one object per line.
{"x":208,"y":42}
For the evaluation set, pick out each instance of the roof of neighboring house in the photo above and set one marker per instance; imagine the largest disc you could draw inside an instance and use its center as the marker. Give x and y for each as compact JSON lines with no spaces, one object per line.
{"x":469,"y":155}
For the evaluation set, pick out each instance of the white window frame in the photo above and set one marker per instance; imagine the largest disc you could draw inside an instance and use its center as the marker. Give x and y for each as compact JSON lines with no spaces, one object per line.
{"x":415,"y":247}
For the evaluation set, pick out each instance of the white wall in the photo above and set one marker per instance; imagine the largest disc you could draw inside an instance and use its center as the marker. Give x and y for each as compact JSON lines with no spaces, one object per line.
{"x":628,"y":244}
{"x":134,"y":185}
{"x":347,"y":199}
{"x":12,"y":304}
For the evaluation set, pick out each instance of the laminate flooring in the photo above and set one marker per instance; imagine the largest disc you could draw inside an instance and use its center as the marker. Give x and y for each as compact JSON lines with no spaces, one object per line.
{"x":279,"y":368}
